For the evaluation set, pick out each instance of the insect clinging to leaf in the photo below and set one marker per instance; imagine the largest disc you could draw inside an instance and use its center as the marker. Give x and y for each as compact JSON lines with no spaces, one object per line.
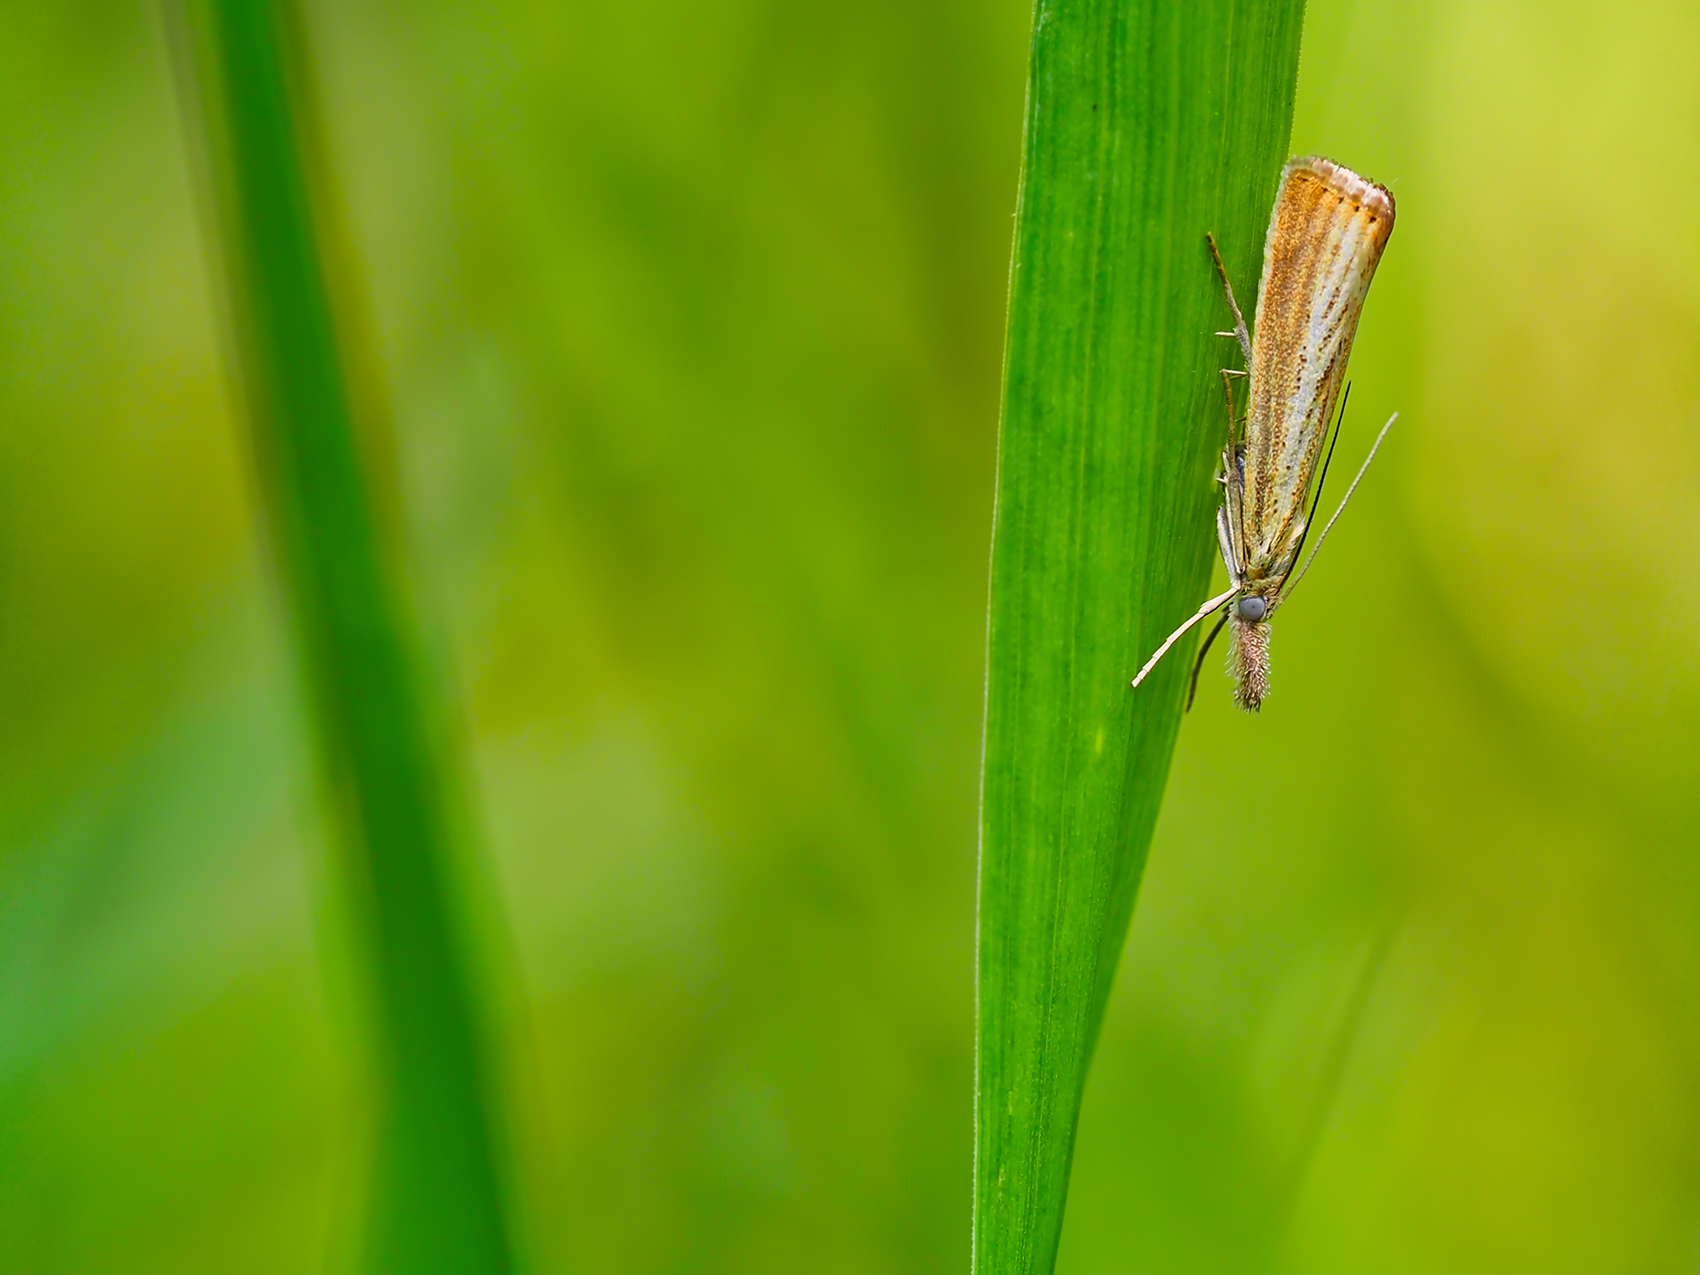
{"x":1326,"y":236}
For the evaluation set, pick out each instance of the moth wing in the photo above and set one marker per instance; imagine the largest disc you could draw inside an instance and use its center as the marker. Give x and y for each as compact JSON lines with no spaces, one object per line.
{"x":1326,"y":236}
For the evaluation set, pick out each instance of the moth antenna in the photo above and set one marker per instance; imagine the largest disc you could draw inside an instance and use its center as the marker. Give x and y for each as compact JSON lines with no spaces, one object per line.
{"x":1342,"y":509}
{"x":1316,"y":496}
{"x":1192,"y":686}
{"x":1174,"y":637}
{"x":1240,"y":332}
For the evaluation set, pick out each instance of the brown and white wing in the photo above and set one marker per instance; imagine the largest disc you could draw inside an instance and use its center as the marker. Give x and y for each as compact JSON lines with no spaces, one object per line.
{"x":1325,"y":238}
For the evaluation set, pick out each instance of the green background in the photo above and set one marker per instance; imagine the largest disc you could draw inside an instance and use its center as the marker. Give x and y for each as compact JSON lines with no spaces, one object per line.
{"x":692,"y":317}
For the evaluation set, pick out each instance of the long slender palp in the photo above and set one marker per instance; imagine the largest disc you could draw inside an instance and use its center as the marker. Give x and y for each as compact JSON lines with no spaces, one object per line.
{"x":1362,"y":470}
{"x":1240,"y":332}
{"x":1174,"y":637}
{"x":1192,"y":686}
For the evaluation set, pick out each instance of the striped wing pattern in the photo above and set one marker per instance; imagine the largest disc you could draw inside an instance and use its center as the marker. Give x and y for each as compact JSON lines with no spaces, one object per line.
{"x":1325,"y":239}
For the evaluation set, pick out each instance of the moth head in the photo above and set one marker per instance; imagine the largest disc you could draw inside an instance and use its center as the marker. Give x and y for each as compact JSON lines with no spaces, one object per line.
{"x":1252,"y":608}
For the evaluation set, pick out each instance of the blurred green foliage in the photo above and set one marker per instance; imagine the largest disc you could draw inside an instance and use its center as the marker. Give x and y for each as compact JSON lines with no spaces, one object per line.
{"x":692,"y":317}
{"x":316,"y":417}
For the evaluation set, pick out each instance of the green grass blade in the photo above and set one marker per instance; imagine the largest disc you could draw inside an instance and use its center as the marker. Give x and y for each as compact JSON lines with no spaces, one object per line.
{"x":437,"y":1203}
{"x":1148,"y":124}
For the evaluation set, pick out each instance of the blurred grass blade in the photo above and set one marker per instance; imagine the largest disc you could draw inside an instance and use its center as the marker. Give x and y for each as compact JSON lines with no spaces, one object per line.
{"x":1148,"y":124}
{"x":437,"y":1203}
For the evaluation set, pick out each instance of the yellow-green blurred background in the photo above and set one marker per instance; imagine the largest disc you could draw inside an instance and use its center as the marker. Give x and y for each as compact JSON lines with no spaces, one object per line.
{"x":691,"y":314}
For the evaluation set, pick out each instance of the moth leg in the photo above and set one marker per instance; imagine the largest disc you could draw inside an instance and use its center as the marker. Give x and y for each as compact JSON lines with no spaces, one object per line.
{"x":1192,"y":686}
{"x":1228,"y":542}
{"x":1233,"y":478}
{"x":1174,"y":637}
{"x":1228,"y":394}
{"x":1239,"y":332}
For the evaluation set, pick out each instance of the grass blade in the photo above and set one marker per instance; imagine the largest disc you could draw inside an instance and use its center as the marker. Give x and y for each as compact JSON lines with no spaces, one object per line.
{"x":437,"y":1203}
{"x":1148,"y":124}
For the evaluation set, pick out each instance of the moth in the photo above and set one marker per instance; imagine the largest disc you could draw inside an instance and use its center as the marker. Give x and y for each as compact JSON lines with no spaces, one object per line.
{"x":1326,"y":236}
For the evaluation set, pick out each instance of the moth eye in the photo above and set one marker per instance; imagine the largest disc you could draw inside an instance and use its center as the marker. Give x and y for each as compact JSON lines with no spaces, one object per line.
{"x":1252,"y":609}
